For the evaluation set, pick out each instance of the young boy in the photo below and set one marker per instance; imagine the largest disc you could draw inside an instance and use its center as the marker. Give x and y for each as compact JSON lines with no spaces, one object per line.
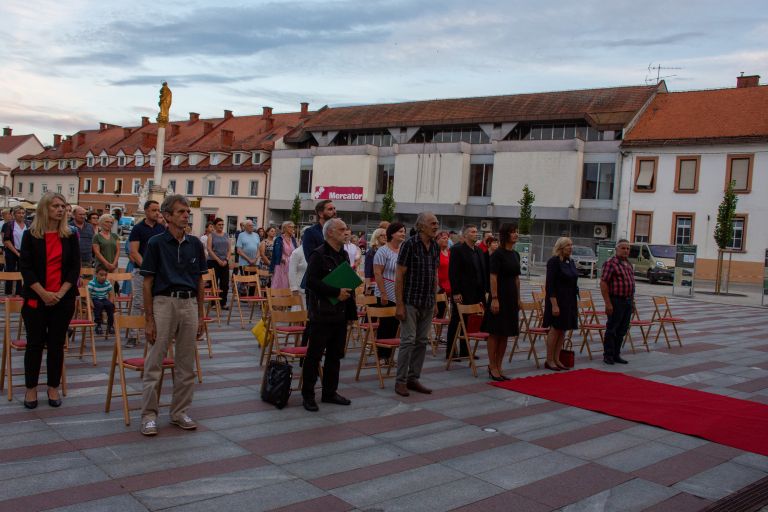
{"x":102,"y":295}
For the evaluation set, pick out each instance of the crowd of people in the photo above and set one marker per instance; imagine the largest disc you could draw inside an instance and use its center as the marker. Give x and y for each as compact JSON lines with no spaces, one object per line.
{"x":404,"y":270}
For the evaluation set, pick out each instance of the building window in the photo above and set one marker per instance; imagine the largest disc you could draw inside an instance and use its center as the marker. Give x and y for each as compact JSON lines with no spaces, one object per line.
{"x":480,"y":180}
{"x":682,"y":228}
{"x":190,"y":187}
{"x":21,"y":187}
{"x":135,"y":186}
{"x":87,"y":185}
{"x":211,"y":187}
{"x":468,"y":134}
{"x":687,"y":174}
{"x":100,"y":185}
{"x":150,"y":183}
{"x":236,"y":158}
{"x":231,"y":225}
{"x":89,"y":161}
{"x":31,"y":187}
{"x":738,"y":242}
{"x":379,"y":138}
{"x":253,"y":188}
{"x":305,"y":179}
{"x":256,"y":158}
{"x":73,"y":164}
{"x":641,"y":226}
{"x":44,"y":188}
{"x":71,"y":190}
{"x":121,"y":161}
{"x":104,"y":161}
{"x":234,"y":187}
{"x":598,"y":181}
{"x":58,"y":188}
{"x":139,"y":161}
{"x":172,"y":185}
{"x":645,"y":174}
{"x":739,"y":171}
{"x":385,"y":178}
{"x":119,"y":186}
{"x":62,"y":164}
{"x":255,"y":220}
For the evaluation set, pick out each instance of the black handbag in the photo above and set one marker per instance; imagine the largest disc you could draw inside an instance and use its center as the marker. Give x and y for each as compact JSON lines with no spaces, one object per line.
{"x":276,"y":384}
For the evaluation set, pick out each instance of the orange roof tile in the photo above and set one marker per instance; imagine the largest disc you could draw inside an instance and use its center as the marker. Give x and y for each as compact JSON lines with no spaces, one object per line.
{"x":689,"y":117}
{"x":10,"y":142}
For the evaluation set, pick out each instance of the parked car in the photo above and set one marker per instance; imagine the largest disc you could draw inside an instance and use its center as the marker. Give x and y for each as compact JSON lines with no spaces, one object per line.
{"x":125,"y":225}
{"x":654,"y":262}
{"x":585,"y":260}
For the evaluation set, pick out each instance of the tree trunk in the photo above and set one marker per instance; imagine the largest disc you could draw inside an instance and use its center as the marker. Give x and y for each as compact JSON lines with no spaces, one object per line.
{"x":719,"y":271}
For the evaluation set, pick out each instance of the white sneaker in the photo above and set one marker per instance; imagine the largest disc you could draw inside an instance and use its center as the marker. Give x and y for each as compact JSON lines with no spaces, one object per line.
{"x":184,"y":422}
{"x":149,"y":428}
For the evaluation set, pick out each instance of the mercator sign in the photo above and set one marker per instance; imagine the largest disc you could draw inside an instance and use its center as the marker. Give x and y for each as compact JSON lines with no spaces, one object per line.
{"x":338,"y":193}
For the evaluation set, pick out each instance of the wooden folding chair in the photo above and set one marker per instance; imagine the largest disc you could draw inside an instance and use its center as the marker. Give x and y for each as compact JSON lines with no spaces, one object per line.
{"x":123,"y":301}
{"x":359,"y":328}
{"x":121,"y":363}
{"x":531,"y":318}
{"x":281,"y":300}
{"x":83,"y":321}
{"x":587,"y":294}
{"x":287,"y":324}
{"x":463,"y":334}
{"x":588,"y":325}
{"x":249,"y":282}
{"x":372,"y":343}
{"x":439,"y":323}
{"x":211,"y":298}
{"x":643,"y":325}
{"x":662,"y":315}
{"x":87,"y":273}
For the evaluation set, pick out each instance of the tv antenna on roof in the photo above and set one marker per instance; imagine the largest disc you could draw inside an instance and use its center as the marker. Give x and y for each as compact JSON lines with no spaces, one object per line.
{"x":649,"y":78}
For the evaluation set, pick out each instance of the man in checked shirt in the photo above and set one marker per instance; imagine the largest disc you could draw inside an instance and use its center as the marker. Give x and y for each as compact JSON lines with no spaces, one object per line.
{"x":617,"y":285}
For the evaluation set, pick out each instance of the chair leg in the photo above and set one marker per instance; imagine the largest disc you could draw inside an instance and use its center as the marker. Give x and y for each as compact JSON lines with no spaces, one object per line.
{"x":124,"y":393}
{"x":93,"y":344}
{"x":111,"y":381}
{"x":197,"y":365}
{"x":677,"y":335}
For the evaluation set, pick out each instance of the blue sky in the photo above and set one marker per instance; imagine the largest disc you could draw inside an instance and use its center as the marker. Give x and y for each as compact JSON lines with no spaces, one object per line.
{"x":67,"y":65}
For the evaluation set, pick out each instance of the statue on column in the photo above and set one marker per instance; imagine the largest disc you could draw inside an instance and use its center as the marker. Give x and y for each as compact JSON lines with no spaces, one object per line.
{"x":166,"y":96}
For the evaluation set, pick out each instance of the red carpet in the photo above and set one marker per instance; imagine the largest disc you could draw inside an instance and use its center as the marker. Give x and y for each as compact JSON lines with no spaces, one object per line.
{"x":738,"y":423}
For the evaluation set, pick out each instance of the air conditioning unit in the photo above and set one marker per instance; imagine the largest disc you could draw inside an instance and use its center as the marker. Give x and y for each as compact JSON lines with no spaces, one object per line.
{"x":313,"y":218}
{"x":486,"y":225}
{"x":600,"y":231}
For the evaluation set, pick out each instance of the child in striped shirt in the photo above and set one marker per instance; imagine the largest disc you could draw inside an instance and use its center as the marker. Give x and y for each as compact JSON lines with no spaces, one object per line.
{"x":102,"y":296}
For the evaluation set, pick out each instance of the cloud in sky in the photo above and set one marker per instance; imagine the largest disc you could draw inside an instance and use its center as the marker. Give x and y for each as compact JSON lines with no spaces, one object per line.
{"x":89,"y":59}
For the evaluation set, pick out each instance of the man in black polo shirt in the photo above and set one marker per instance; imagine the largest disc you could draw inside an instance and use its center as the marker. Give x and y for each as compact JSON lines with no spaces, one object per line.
{"x":172,"y":268}
{"x":137,"y":243}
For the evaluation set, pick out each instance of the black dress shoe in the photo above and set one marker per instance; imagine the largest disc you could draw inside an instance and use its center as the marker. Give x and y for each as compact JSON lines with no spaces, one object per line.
{"x":54,"y":402}
{"x":618,"y":359}
{"x":310,"y":404}
{"x":30,"y":404}
{"x":607,"y":360}
{"x":335,"y":399}
{"x":494,"y":378}
{"x":553,"y":368}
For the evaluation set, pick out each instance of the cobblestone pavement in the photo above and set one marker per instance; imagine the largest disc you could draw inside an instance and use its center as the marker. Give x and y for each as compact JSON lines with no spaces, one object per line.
{"x":468,"y":446}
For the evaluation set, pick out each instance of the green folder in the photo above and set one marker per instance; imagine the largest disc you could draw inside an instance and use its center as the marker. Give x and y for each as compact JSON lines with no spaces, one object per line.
{"x":342,"y":277}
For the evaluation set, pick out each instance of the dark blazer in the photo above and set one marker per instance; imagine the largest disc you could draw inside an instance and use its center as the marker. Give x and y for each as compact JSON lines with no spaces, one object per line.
{"x":322,"y":262}
{"x":33,"y":263}
{"x":463,"y":277}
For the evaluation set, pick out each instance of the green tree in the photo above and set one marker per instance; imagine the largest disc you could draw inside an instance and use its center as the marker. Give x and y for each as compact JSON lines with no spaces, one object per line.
{"x":296,"y":212}
{"x":724,"y":229}
{"x":526,"y":211}
{"x":388,"y":206}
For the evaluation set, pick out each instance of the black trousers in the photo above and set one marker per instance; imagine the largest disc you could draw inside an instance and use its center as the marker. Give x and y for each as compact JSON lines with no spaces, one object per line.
{"x":329,"y":338}
{"x":11,"y":265}
{"x":617,"y":326}
{"x":46,"y":328}
{"x":387,"y":329}
{"x":222,"y":279}
{"x":101,"y":305}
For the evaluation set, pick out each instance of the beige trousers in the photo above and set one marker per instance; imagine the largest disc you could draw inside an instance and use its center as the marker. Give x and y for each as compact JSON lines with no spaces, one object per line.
{"x":175,"y":319}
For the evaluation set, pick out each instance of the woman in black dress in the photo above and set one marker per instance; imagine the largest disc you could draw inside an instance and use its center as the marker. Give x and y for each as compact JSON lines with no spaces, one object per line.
{"x":560,"y":306}
{"x":502,"y":319}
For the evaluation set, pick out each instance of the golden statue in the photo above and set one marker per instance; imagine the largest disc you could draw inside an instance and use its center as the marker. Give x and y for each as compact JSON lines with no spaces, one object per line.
{"x":166,"y":96}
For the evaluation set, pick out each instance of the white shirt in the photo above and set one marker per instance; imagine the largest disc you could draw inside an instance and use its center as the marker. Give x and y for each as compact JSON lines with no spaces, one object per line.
{"x":354,"y":253}
{"x":297,"y":267}
{"x":17,"y":234}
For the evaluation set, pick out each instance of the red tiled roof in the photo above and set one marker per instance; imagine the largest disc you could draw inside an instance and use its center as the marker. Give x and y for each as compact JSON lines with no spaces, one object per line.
{"x":619,"y":104}
{"x":718,"y":115}
{"x":10,"y":142}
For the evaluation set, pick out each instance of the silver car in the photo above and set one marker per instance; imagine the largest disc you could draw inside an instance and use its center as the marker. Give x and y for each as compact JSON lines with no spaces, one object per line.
{"x":585,"y":260}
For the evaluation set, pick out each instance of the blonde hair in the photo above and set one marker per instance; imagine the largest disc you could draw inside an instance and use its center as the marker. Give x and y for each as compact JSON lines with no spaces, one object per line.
{"x":105,"y":216}
{"x":560,"y":245}
{"x":375,"y":237}
{"x":40,"y":223}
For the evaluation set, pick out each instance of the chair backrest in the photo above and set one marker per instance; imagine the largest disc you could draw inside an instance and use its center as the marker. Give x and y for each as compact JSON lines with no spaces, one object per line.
{"x":119,"y":277}
{"x":10,"y":276}
{"x":661,"y":307}
{"x":585,"y":294}
{"x":441,"y":297}
{"x":282,"y":302}
{"x":289,"y":317}
{"x":365,"y":300}
{"x":210,"y":277}
{"x":377,"y":312}
{"x":248,"y":281}
{"x":538,"y":296}
{"x":280,"y":292}
{"x":128,"y":322}
{"x":470,"y":309}
{"x":12,"y":306}
{"x":84,"y":309}
{"x":250,"y":269}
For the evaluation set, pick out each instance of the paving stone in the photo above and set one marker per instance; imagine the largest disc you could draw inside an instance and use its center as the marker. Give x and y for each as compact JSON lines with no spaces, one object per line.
{"x":530,"y":470}
{"x":639,"y":456}
{"x":631,"y":496}
{"x":344,"y":461}
{"x":441,"y":497}
{"x":121,"y":503}
{"x":720,"y":481}
{"x":35,"y":483}
{"x":602,"y":446}
{"x":753,"y":460}
{"x":436,"y":441}
{"x":486,"y":460}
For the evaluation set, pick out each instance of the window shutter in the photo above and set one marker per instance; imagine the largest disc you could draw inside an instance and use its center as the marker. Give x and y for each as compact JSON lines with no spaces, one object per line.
{"x":645,"y":176}
{"x":687,"y":175}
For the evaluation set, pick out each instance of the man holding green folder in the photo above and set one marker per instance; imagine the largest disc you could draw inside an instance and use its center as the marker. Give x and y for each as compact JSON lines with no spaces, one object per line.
{"x":330,"y":301}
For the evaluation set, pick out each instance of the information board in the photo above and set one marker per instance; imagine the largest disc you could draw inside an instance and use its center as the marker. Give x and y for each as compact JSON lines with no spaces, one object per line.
{"x":523,"y":247}
{"x":685,"y":269}
{"x":605,"y":251}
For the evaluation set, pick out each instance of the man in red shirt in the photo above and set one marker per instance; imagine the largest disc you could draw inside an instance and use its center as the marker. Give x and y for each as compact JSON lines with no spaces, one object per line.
{"x":617,"y":285}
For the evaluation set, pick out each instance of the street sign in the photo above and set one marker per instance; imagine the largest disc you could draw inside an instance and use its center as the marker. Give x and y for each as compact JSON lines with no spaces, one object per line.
{"x":685,"y":269}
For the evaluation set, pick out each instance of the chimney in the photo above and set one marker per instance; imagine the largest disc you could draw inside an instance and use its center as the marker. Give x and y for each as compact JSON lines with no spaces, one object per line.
{"x":747,"y":81}
{"x":127,"y":132}
{"x":227,"y":138}
{"x":227,"y":114}
{"x":80,"y":139}
{"x":193,"y":117}
{"x":207,"y":127}
{"x":7,"y":131}
{"x":175,"y":129}
{"x":266,"y":112}
{"x":144,"y":121}
{"x":66,"y":146}
{"x":270,"y":124}
{"x":304,"y":109}
{"x":56,"y":140}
